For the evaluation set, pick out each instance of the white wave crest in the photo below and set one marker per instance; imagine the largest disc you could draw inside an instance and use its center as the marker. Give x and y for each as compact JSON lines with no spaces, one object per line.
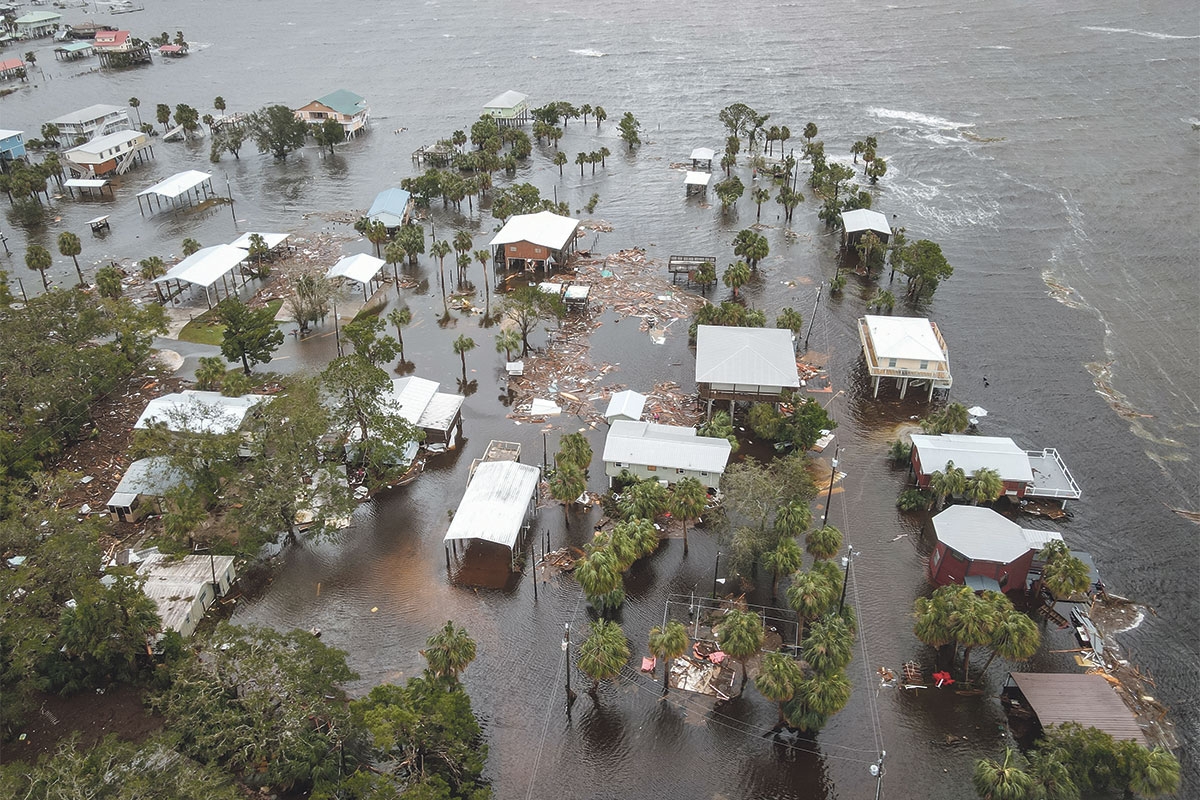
{"x":589,"y":52}
{"x":1147,"y":34}
{"x":918,"y":118}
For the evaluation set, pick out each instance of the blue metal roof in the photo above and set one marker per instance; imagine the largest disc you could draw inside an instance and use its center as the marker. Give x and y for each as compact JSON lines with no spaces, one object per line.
{"x":389,"y":207}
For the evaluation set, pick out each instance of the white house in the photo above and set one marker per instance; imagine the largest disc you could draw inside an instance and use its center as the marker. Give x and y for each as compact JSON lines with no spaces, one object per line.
{"x":748,"y":364}
{"x":142,"y":488}
{"x":664,"y":452}
{"x":907,"y":349}
{"x":182,"y":587}
{"x":88,"y":123}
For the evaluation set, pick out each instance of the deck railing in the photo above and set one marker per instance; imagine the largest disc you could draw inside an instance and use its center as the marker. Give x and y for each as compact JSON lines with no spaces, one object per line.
{"x":1038,"y":491}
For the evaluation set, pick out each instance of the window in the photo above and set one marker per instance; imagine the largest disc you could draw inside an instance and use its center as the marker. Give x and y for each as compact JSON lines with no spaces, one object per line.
{"x":679,"y":471}
{"x":618,"y":464}
{"x":652,"y":468}
{"x":512,"y":248}
{"x":891,"y":362}
{"x":704,"y":474}
{"x":924,"y":365}
{"x":937,"y":557}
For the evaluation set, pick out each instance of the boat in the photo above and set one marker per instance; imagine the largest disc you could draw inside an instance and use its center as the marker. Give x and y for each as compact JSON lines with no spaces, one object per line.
{"x":123,"y":7}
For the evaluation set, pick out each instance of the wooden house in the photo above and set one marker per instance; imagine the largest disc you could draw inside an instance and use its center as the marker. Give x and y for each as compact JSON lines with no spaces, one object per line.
{"x":530,"y":241}
{"x":346,"y":107}
{"x":113,"y":152}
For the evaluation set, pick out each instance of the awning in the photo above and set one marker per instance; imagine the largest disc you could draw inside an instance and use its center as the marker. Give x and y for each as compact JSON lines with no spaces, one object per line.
{"x":272,"y":239}
{"x":206,"y":266}
{"x":697,"y":178}
{"x":85,"y":183}
{"x":496,"y":503}
{"x":360,"y":267}
{"x":177,"y":184}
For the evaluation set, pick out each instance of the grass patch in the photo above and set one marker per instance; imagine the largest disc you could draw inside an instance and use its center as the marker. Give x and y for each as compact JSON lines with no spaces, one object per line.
{"x":205,"y":329}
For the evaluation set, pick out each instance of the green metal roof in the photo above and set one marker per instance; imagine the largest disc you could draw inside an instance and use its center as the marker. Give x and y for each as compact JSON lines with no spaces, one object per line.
{"x":34,"y":17}
{"x":343,"y":102}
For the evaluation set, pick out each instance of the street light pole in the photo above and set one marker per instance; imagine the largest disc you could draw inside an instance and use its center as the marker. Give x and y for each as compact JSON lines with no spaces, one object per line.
{"x":846,"y":577}
{"x":829,"y":494}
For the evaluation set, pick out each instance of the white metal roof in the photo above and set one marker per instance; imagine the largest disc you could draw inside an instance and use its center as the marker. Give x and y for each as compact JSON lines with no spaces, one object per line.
{"x":970,"y":453}
{"x":411,"y":396}
{"x":177,"y":184}
{"x":910,"y":338}
{"x":5,"y":133}
{"x":703,"y":154}
{"x":980,"y":534}
{"x":628,"y":404}
{"x":205,"y":266}
{"x":191,"y":411}
{"x":1037,"y":539}
{"x":509,"y":99}
{"x":746,"y":356}
{"x":696,"y":178}
{"x":440,"y":413}
{"x":174,"y":584}
{"x":152,"y":476}
{"x":272,"y":239}
{"x":107,"y":141}
{"x":543,"y":228}
{"x":495,"y":504}
{"x":360,"y":267}
{"x":89,"y":114}
{"x":667,"y":446}
{"x":864,"y":219}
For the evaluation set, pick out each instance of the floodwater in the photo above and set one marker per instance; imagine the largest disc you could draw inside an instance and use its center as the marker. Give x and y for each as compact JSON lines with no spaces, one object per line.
{"x":1051,"y":151}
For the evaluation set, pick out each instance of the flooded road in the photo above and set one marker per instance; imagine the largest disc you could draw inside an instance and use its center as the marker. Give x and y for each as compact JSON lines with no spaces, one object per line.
{"x":1037,"y":146}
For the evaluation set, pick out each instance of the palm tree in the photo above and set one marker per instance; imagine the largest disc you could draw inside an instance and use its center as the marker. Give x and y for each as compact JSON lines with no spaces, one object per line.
{"x":792,"y":320}
{"x":810,"y":131}
{"x":567,"y":484}
{"x":740,"y":635}
{"x":823,"y":543}
{"x":759,"y":195}
{"x":667,"y":644}
{"x":507,"y":341}
{"x":581,"y":159}
{"x":219,"y":103}
{"x":560,"y":160}
{"x":377,"y":234}
{"x":933,"y":626}
{"x":152,"y":268}
{"x":69,"y":245}
{"x":688,"y":500}
{"x":950,"y":483}
{"x":786,"y":558}
{"x":1064,"y":574}
{"x":393,"y":253}
{"x":135,"y":104}
{"x":955,"y":418}
{"x":575,"y":450}
{"x":189,"y":247}
{"x":778,"y":681}
{"x":38,"y":258}
{"x":600,"y":115}
{"x":810,"y":596}
{"x":882,"y":299}
{"x":483,"y":256}
{"x":644,"y":500}
{"x":793,"y":518}
{"x":462,"y":242}
{"x":462,"y":346}
{"x":829,"y":645}
{"x":449,"y":652}
{"x":972,"y":622}
{"x":736,"y":276}
{"x":1015,"y":637}
{"x":600,"y":579}
{"x":1003,"y":781}
{"x":984,"y":486}
{"x":1052,"y":777}
{"x":1154,"y":774}
{"x":400,"y":317}
{"x":817,"y":699}
{"x":602,"y":654}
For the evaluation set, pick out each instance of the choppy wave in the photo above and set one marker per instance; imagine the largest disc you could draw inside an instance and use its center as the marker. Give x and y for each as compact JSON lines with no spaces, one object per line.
{"x":1147,"y":34}
{"x":927,"y":120}
{"x":589,"y":52}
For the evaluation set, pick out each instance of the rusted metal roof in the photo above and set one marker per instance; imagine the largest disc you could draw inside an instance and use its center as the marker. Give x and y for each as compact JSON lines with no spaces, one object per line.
{"x":1086,"y":699}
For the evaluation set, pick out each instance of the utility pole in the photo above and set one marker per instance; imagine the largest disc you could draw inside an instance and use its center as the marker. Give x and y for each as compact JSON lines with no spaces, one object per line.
{"x":812,"y":319}
{"x":846,"y":577}
{"x":716,"y":572}
{"x":566,"y":647}
{"x":829,"y":494}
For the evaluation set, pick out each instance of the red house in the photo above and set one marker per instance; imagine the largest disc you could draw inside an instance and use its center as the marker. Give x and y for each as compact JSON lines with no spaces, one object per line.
{"x":984,"y":550}
{"x":1033,"y":473}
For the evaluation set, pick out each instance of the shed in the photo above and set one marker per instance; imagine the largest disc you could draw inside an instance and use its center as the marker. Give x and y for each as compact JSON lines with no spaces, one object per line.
{"x":184,"y":184}
{"x":391,"y":207}
{"x":667,"y":453}
{"x":142,"y":488}
{"x":860,"y":220}
{"x":497,"y":505}
{"x":360,"y":267}
{"x":907,"y":349}
{"x":73,"y":50}
{"x":508,"y":108}
{"x":183,"y":588}
{"x":530,"y":240}
{"x":1089,"y":700}
{"x":625,"y":405}
{"x":751,"y":364}
{"x":973,"y":541}
{"x":205,"y":267}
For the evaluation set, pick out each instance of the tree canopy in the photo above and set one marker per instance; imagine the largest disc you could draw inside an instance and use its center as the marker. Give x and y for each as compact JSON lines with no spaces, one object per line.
{"x":276,"y":130}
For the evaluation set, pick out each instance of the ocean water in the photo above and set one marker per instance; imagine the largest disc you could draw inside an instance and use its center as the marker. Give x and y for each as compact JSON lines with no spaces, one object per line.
{"x":1051,"y":151}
